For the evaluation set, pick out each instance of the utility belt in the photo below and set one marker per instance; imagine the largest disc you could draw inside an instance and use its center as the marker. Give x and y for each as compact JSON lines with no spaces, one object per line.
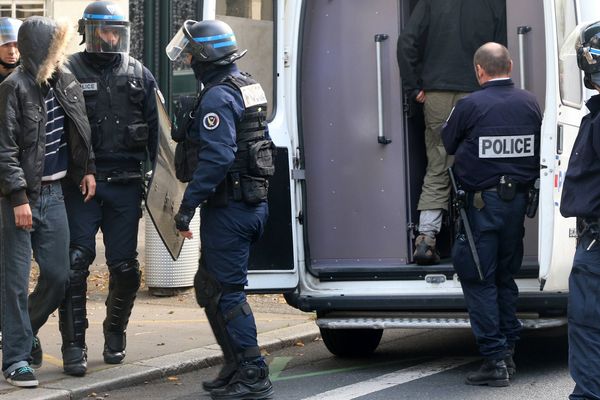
{"x":588,"y":228}
{"x":252,"y":190}
{"x":507,"y":189}
{"x":120,"y":177}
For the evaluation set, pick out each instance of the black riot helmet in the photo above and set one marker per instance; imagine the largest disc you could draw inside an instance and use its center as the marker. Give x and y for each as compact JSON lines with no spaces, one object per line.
{"x":588,"y":53}
{"x":105,"y":28}
{"x":209,"y":41}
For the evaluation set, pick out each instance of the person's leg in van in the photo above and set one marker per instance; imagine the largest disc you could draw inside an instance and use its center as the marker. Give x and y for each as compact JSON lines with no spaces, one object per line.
{"x":435,"y":191}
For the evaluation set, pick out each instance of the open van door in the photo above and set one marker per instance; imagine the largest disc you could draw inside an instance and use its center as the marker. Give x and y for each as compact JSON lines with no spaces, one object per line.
{"x":259,"y":27}
{"x":565,"y":106}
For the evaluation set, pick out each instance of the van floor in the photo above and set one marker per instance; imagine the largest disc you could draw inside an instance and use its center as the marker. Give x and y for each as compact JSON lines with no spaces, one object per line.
{"x":411,"y":271}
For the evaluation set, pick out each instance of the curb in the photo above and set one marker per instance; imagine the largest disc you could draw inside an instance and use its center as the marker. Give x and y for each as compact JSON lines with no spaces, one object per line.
{"x":138,"y":372}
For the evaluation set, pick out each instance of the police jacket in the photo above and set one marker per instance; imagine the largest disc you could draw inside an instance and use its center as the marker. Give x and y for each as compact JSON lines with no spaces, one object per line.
{"x":581,"y":190}
{"x":121,"y":107}
{"x":219,"y":119}
{"x":435,"y":49}
{"x":494,"y":132}
{"x":23,"y":115}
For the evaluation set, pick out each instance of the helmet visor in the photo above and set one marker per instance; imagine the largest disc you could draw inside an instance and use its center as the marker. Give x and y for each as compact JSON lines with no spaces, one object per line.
{"x":107,"y":37}
{"x":177,"y":44}
{"x":9,"y":27}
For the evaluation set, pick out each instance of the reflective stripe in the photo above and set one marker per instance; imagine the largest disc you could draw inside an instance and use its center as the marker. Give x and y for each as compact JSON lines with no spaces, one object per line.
{"x":224,"y":44}
{"x":594,"y":51}
{"x":213,"y":38}
{"x":104,"y":17}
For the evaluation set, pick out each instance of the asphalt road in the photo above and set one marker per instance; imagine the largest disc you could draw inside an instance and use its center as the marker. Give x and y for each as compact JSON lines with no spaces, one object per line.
{"x":415,"y":364}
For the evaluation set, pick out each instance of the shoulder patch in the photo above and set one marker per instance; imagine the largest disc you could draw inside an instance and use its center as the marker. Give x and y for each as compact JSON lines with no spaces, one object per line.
{"x":211,"y":121}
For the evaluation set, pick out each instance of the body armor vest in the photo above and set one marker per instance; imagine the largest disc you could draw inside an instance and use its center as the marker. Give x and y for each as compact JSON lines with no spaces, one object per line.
{"x":114,"y":99}
{"x":247,"y":179}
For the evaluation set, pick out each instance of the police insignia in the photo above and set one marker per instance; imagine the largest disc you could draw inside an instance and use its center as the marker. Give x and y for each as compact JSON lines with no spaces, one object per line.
{"x":211,"y":121}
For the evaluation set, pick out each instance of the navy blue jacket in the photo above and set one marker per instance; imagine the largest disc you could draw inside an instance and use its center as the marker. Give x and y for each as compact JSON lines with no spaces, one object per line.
{"x":214,"y":128}
{"x":581,"y":190}
{"x":494,"y":132}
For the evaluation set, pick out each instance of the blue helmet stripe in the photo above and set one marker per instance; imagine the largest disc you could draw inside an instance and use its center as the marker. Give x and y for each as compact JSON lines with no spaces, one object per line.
{"x":224,"y":44}
{"x":594,"y":51}
{"x":104,"y":17}
{"x":213,"y":38}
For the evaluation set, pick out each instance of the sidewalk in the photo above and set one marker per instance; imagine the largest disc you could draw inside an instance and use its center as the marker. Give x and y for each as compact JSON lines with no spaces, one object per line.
{"x":166,"y":336}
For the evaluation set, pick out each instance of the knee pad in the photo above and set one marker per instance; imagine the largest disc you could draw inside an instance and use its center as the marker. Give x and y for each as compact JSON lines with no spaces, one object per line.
{"x":207,"y":288}
{"x":125,"y":276}
{"x":80,"y":258}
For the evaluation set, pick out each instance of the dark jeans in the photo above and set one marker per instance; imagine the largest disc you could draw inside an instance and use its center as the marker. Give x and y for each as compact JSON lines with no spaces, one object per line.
{"x":584,"y":321}
{"x":498,"y":232}
{"x":49,"y":240}
{"x":226,"y":235}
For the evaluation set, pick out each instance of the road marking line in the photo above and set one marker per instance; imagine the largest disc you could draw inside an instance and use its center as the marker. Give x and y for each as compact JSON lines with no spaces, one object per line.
{"x":392,"y":379}
{"x":52,"y":360}
{"x":277,"y":366}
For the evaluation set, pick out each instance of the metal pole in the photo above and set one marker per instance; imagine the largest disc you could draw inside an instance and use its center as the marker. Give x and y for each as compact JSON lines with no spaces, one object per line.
{"x":164,"y":64}
{"x":380,"y":136}
{"x":521,"y":32}
{"x":149,"y":35}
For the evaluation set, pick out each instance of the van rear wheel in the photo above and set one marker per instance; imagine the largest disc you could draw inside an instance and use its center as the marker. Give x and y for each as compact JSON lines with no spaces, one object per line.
{"x":351,"y":342}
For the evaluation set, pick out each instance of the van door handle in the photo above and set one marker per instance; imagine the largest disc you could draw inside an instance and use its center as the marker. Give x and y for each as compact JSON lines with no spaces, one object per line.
{"x":380,"y":37}
{"x":521,"y":32}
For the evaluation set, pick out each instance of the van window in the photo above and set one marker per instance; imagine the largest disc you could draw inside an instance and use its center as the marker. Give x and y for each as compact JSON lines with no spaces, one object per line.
{"x":254,"y":27}
{"x":569,"y":74}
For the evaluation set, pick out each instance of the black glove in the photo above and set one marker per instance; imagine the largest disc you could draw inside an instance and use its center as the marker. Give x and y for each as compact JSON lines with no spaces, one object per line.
{"x":183,"y":218}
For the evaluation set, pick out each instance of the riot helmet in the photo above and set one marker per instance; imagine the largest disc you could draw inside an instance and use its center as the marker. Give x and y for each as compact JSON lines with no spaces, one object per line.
{"x":209,"y":41}
{"x":9,"y":28}
{"x":9,"y":54}
{"x":105,"y":28}
{"x":587,"y":47}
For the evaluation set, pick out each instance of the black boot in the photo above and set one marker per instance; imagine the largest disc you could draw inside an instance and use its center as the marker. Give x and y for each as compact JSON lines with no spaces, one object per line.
{"x":114,"y":347}
{"x":222,"y":379}
{"x":74,"y":359}
{"x":491,"y":373}
{"x":250,"y":381}
{"x":511,"y":367}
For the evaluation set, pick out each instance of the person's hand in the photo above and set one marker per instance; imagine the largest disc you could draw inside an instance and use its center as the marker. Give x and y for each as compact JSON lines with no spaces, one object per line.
{"x":182,"y":221}
{"x":88,"y":187}
{"x":420,"y":97}
{"x":23,"y":218}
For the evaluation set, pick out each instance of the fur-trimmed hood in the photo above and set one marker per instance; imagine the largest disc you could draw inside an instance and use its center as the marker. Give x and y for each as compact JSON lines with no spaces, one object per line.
{"x":42,"y":43}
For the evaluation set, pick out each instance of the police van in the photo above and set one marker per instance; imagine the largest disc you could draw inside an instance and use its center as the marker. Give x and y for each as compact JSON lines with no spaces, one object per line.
{"x":351,"y":160}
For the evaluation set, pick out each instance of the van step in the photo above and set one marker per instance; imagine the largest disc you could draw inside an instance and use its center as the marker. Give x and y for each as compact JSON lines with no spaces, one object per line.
{"x":425,"y":323}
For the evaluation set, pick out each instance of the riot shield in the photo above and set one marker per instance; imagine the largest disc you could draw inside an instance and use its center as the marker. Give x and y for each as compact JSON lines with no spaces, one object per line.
{"x":165,"y":191}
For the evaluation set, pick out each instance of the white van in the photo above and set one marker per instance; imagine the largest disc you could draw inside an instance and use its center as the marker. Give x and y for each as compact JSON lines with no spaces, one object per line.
{"x":351,"y":161}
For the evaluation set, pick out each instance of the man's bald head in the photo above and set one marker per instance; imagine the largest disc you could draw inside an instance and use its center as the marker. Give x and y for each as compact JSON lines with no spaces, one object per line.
{"x":494,"y":59}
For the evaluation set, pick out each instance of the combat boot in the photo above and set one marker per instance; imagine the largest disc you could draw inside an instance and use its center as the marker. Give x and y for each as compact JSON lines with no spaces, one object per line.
{"x":222,"y":379}
{"x":511,"y":367}
{"x":491,"y":373}
{"x":74,"y":359}
{"x":425,"y":251}
{"x":250,"y":381}
{"x":114,"y":347}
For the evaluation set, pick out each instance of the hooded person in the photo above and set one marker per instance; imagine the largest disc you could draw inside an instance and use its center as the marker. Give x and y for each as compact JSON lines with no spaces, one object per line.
{"x":45,"y":140}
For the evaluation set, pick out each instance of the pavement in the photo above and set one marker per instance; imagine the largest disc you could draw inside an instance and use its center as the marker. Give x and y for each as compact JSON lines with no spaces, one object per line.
{"x":166,"y":336}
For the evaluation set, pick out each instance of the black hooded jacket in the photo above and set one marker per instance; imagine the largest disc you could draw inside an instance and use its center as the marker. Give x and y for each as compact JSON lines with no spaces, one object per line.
{"x":42,"y":43}
{"x":436,"y":47}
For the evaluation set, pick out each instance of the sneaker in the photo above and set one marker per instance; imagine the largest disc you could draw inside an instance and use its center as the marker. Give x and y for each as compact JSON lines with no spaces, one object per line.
{"x":37,"y":354}
{"x":22,"y":377}
{"x":425,"y":251}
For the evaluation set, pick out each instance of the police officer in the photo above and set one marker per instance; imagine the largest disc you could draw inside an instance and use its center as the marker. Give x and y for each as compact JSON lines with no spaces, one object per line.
{"x":121,"y":108}
{"x":494,"y":135}
{"x":9,"y":53}
{"x":581,"y":199}
{"x":230,"y":182}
